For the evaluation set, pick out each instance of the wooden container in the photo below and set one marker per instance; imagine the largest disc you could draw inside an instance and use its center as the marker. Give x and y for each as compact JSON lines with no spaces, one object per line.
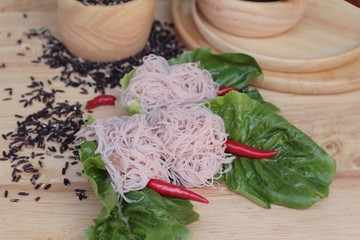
{"x":301,"y":61}
{"x":253,"y":18}
{"x":105,"y":33}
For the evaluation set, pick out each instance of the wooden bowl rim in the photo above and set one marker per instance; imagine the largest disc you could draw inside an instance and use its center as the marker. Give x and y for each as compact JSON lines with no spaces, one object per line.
{"x":103,"y":7}
{"x":233,"y":5}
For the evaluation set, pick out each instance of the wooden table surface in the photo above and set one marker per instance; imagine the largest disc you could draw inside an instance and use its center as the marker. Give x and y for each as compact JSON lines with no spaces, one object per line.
{"x":333,"y":121}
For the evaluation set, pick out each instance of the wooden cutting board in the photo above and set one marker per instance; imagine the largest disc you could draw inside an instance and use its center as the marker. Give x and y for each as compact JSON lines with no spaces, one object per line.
{"x":286,"y":70}
{"x":331,"y":120}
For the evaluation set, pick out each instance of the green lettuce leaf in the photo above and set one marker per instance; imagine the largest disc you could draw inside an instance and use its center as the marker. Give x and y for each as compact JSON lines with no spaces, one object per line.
{"x":97,"y":175}
{"x":152,"y":217}
{"x":227,"y":69}
{"x":296,"y":177}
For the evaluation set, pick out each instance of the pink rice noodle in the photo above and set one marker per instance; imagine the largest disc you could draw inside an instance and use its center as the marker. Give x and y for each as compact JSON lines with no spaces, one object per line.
{"x":156,"y":84}
{"x":177,"y":139}
{"x":195,"y":140}
{"x":131,"y":152}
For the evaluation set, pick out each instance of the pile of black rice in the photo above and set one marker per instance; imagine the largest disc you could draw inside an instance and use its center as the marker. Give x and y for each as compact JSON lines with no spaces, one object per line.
{"x":103,"y":2}
{"x":51,"y":130}
{"x":162,"y":42}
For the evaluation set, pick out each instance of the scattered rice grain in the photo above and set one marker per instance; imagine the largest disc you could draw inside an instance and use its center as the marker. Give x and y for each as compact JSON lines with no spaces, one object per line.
{"x":23,"y":193}
{"x":67,"y":182}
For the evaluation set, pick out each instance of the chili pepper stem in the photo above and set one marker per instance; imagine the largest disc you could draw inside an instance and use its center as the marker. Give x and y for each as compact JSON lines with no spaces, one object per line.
{"x":171,"y":190}
{"x":247,"y":151}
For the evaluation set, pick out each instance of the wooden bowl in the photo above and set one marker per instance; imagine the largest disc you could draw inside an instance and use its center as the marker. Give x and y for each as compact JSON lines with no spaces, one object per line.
{"x":253,"y":18}
{"x":105,"y":33}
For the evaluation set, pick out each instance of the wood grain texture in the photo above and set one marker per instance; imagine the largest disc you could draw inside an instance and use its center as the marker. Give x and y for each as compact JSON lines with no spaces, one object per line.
{"x":105,"y":33}
{"x":322,"y":40}
{"x":253,"y":19}
{"x":331,"y":120}
{"x":337,"y":80}
{"x":27,"y":5}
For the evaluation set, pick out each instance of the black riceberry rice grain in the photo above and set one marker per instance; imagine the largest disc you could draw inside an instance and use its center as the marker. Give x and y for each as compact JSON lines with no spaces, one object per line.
{"x":59,"y":121}
{"x":47,"y":186}
{"x":67,"y":182}
{"x":41,"y":164}
{"x":75,"y":71}
{"x":103,"y":2}
{"x":10,"y":90}
{"x":23,"y":193}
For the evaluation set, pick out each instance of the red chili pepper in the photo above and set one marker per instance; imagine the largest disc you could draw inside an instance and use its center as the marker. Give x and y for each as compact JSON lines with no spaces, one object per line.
{"x":354,"y":2}
{"x":224,"y":90}
{"x":170,"y":190}
{"x":101,"y":100}
{"x":247,"y":151}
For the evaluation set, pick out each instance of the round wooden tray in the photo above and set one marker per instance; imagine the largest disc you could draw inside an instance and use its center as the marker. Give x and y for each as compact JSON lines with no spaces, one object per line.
{"x":341,"y":79}
{"x":327,"y":37}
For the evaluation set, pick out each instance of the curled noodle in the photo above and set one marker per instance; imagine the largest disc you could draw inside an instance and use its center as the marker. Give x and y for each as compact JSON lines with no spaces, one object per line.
{"x":131,"y":152}
{"x":176,"y":138}
{"x":156,"y":84}
{"x":195,"y":140}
